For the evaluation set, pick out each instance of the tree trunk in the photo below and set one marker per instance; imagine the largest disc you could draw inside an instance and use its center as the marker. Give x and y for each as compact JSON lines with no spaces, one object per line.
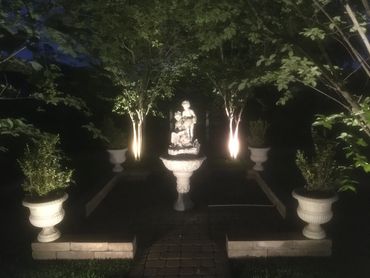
{"x":137,"y":140}
{"x":233,"y":143}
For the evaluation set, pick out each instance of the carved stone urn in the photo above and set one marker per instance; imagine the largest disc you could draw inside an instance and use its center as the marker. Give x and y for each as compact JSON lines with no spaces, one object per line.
{"x":258,"y":156}
{"x":314,"y":211}
{"x":117,"y":157}
{"x":46,"y":215}
{"x":182,"y":168}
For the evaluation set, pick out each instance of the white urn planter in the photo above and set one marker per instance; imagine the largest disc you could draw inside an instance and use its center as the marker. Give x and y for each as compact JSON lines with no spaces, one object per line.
{"x":46,"y":215}
{"x":117,"y":157}
{"x":183,"y":169}
{"x":258,"y":156}
{"x":314,"y":211}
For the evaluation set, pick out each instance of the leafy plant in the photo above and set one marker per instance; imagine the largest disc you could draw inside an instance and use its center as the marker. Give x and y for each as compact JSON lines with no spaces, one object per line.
{"x":144,"y":58}
{"x":257,"y":130}
{"x":42,"y":167}
{"x":117,"y":137}
{"x":321,"y":171}
{"x":300,"y":54}
{"x":28,"y":71}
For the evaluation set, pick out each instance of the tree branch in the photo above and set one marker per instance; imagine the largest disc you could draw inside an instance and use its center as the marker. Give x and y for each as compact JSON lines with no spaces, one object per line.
{"x":358,"y":27}
{"x":12,"y":55}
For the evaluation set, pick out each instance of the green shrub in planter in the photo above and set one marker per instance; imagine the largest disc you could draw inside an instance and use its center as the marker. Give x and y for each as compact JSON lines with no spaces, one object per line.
{"x":321,"y":171}
{"x":43,"y":169}
{"x":117,"y":137}
{"x":257,"y":133}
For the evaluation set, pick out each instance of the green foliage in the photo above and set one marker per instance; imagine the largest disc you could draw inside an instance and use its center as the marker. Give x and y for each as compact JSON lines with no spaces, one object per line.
{"x":214,"y":24}
{"x":142,"y":56}
{"x":321,"y":171}
{"x":292,"y":70}
{"x":299,"y":52}
{"x":23,"y":24}
{"x":355,"y":143}
{"x":48,"y":92}
{"x":42,"y":167}
{"x":95,"y":132}
{"x":257,"y":133}
{"x":314,"y":33}
{"x":117,"y":136}
{"x":26,"y":22}
{"x":16,"y":127}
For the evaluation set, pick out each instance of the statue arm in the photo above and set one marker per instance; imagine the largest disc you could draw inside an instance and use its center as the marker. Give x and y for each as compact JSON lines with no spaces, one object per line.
{"x":194,"y":117}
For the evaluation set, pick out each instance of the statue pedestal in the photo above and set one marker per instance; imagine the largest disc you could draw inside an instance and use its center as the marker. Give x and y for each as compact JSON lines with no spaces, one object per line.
{"x":183,"y":168}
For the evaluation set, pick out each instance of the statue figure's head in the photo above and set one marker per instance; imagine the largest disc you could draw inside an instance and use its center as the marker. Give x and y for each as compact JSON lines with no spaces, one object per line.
{"x":185,"y":104}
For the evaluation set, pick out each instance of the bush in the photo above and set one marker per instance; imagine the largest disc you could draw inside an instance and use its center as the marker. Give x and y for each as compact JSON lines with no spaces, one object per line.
{"x":321,"y":172}
{"x":257,"y":133}
{"x":117,"y":137}
{"x":42,"y":168}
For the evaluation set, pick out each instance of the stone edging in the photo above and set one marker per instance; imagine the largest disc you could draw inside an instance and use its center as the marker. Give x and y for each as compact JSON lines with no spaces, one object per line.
{"x":66,"y":250}
{"x":269,"y":193}
{"x":238,"y":249}
{"x":99,"y":197}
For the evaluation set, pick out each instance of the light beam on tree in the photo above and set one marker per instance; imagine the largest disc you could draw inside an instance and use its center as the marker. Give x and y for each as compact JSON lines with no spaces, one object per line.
{"x":137,"y":120}
{"x":233,"y":144}
{"x":234,"y":98}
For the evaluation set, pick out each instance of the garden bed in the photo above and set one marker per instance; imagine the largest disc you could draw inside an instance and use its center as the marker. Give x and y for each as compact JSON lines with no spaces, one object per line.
{"x":62,"y":269}
{"x":300,"y":268}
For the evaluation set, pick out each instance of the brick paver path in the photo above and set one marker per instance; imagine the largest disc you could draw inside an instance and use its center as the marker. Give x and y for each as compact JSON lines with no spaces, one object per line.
{"x":183,"y":248}
{"x":170,"y":243}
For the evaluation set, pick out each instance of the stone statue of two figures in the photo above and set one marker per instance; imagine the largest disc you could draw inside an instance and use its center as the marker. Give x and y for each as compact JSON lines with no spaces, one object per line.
{"x":182,"y":137}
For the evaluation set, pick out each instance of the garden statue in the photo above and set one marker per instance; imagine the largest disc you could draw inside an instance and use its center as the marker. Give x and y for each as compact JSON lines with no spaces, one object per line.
{"x":182,"y":137}
{"x":189,"y":118}
{"x":183,"y":155}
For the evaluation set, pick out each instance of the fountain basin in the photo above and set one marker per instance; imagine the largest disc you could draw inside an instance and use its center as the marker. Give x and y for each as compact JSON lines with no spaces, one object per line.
{"x":183,"y":167}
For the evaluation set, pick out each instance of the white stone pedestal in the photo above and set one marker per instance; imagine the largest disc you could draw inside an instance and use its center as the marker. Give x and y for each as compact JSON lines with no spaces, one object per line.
{"x":183,"y":168}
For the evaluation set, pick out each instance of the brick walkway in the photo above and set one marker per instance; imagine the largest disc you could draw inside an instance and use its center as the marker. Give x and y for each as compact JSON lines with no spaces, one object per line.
{"x":170,"y":243}
{"x":182,"y":249}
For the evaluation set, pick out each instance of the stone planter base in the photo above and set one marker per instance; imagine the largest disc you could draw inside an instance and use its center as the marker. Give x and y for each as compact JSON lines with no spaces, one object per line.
{"x":314,"y":211}
{"x":258,"y":156}
{"x":117,"y":157}
{"x":183,"y":202}
{"x":46,"y":215}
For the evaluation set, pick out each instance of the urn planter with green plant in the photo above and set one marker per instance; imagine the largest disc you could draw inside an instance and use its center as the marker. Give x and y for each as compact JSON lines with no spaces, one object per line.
{"x":117,"y":144}
{"x":258,"y":143}
{"x":323,"y":177}
{"x":45,"y":182}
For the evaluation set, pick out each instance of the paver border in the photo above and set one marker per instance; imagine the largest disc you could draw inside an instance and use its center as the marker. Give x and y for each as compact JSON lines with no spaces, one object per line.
{"x":281,"y":208}
{"x":79,"y":250}
{"x":95,"y":201}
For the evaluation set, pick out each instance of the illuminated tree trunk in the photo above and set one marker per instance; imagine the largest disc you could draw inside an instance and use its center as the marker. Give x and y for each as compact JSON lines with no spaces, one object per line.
{"x":234,"y":121}
{"x":234,"y":104}
{"x":233,"y":144}
{"x":137,"y":120}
